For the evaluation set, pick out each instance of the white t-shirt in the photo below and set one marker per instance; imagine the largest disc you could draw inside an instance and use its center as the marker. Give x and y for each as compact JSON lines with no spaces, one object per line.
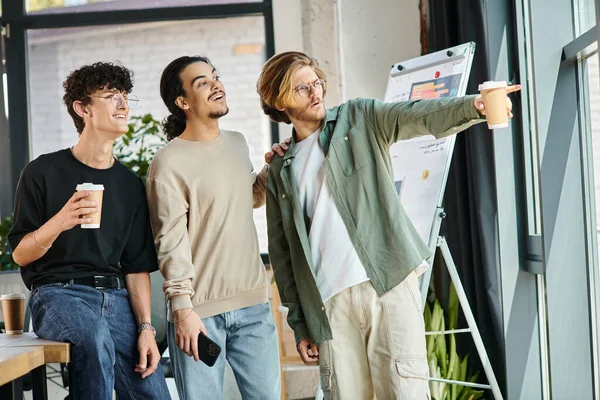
{"x":336,"y":264}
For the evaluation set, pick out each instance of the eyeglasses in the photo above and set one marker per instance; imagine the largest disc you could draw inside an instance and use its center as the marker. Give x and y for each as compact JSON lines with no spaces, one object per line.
{"x":306,"y":89}
{"x":119,"y":100}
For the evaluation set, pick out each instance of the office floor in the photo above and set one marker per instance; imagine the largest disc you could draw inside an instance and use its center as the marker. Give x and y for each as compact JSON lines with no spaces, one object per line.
{"x":56,"y":391}
{"x":297,"y":386}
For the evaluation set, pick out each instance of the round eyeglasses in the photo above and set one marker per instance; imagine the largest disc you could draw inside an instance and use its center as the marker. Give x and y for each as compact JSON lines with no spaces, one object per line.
{"x":306,"y":89}
{"x":119,"y":100}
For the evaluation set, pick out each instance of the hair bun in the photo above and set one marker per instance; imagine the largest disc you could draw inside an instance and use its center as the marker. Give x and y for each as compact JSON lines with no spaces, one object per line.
{"x":173,"y":126}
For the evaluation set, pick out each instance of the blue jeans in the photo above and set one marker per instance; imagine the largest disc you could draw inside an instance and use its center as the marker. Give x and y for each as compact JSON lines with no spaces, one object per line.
{"x":248,"y":339}
{"x":102,"y":331}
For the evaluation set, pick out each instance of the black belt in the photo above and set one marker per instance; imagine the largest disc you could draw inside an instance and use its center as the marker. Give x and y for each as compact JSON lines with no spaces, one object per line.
{"x":98,"y":282}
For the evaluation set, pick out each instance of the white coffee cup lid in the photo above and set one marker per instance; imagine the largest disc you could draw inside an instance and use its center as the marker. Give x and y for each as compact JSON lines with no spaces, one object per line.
{"x":89,"y":186}
{"x":11,"y":296}
{"x":492,"y":85}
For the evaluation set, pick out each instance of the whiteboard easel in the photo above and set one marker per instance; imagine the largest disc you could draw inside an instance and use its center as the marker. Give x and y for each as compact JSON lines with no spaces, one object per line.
{"x":421,"y":167}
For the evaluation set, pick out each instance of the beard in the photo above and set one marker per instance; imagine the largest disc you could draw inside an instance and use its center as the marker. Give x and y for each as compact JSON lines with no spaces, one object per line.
{"x":218,"y":114}
{"x":307,"y":116}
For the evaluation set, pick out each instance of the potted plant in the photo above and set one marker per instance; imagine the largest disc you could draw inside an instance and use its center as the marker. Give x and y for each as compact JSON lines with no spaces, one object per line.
{"x":137,"y":147}
{"x":6,"y":261}
{"x":443,"y":360}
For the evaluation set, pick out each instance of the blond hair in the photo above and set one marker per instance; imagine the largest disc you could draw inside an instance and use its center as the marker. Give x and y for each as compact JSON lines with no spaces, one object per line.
{"x":274,"y":84}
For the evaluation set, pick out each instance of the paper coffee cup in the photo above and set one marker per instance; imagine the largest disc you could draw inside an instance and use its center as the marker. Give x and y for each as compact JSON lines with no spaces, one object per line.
{"x":13,"y":309}
{"x":493,"y":94}
{"x":97,"y":194}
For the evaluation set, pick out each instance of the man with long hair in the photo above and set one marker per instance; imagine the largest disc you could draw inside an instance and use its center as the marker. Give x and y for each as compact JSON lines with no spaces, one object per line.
{"x":202,"y":190}
{"x":345,"y":254}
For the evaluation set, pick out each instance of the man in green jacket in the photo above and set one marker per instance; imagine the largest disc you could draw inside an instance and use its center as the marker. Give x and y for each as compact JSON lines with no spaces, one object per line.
{"x":345,"y":255}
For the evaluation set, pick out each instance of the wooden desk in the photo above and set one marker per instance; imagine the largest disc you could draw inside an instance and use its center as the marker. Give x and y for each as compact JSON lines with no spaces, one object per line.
{"x":15,"y":362}
{"x":18,"y":361}
{"x":52,"y":352}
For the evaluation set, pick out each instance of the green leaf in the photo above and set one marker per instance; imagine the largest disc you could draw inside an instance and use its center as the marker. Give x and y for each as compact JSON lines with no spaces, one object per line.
{"x":476,"y":394}
{"x":454,"y":361}
{"x":442,"y":356}
{"x":463,"y":369}
{"x":452,"y":308}
{"x":473,"y":378}
{"x":133,"y":150}
{"x":461,"y":375}
{"x":6,"y":261}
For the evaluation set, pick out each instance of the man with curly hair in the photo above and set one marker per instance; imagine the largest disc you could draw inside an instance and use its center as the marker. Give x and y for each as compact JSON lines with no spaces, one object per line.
{"x":91,"y":287}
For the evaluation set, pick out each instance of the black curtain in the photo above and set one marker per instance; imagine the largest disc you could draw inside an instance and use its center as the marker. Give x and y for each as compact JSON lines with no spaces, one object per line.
{"x":470,"y":227}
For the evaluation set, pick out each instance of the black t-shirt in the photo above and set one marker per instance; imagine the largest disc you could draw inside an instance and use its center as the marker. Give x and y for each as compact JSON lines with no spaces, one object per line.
{"x":123,"y":244}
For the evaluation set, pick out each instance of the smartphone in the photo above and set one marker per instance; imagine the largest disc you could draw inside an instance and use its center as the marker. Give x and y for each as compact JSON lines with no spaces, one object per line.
{"x":208,"y":351}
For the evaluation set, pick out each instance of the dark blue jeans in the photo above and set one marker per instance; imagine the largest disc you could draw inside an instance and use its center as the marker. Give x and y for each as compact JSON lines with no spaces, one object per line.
{"x":102,"y":331}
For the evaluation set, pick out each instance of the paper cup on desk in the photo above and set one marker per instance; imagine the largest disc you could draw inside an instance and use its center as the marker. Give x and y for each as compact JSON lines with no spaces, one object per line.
{"x":97,"y":195}
{"x":493,"y":94}
{"x":13,"y":308}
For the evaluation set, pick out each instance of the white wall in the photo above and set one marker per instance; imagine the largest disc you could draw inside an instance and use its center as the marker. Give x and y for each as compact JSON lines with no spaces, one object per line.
{"x":356,"y":47}
{"x":376,"y":35}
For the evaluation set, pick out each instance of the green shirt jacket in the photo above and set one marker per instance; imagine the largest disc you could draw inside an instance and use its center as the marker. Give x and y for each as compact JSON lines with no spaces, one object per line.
{"x":355,"y":139}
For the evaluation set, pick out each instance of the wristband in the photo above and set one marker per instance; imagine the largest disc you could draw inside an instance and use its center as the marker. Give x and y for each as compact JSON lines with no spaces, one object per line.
{"x":146,"y":326}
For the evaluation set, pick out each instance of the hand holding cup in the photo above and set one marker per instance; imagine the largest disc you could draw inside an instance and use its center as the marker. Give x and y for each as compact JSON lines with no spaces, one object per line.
{"x":494,"y":103}
{"x":95,"y":195}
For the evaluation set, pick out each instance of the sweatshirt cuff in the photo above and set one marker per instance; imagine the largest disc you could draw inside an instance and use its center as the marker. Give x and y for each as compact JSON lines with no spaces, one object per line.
{"x":180,"y":302}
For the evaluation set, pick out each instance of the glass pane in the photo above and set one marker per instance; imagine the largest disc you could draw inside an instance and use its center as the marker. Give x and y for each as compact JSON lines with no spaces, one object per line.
{"x":593,"y":77}
{"x":81,"y":6}
{"x":530,"y":143}
{"x":585,"y":15}
{"x":237,"y":51}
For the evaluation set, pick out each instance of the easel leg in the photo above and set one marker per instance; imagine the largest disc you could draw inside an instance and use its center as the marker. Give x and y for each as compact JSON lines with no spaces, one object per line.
{"x":462,"y":297}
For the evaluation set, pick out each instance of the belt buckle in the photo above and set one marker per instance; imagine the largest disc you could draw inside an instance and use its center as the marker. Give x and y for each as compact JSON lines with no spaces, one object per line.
{"x":97,"y":282}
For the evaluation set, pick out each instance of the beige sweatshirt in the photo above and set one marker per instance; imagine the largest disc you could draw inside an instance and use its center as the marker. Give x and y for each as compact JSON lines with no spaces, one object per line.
{"x":201,"y":196}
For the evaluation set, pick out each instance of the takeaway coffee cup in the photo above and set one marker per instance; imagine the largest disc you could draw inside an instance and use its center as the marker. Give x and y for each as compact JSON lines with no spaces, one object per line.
{"x":97,"y":194}
{"x":13,"y":308}
{"x":493,"y":94}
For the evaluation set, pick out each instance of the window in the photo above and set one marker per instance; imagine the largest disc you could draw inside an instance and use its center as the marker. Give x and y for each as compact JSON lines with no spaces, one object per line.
{"x":83,"y":6}
{"x":585,"y":15}
{"x":530,"y":126}
{"x":236,"y":46}
{"x":591,"y":94}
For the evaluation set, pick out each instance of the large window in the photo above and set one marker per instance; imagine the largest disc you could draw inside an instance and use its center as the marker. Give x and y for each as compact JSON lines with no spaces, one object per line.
{"x":50,"y":38}
{"x":60,"y":6}
{"x":236,"y":46}
{"x":585,"y":15}
{"x":592,"y":102}
{"x":589,"y":92}
{"x":589,"y":116}
{"x":554,"y":71}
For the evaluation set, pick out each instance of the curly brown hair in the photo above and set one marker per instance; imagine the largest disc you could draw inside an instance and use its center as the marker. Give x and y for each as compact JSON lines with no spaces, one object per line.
{"x":90,"y":78}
